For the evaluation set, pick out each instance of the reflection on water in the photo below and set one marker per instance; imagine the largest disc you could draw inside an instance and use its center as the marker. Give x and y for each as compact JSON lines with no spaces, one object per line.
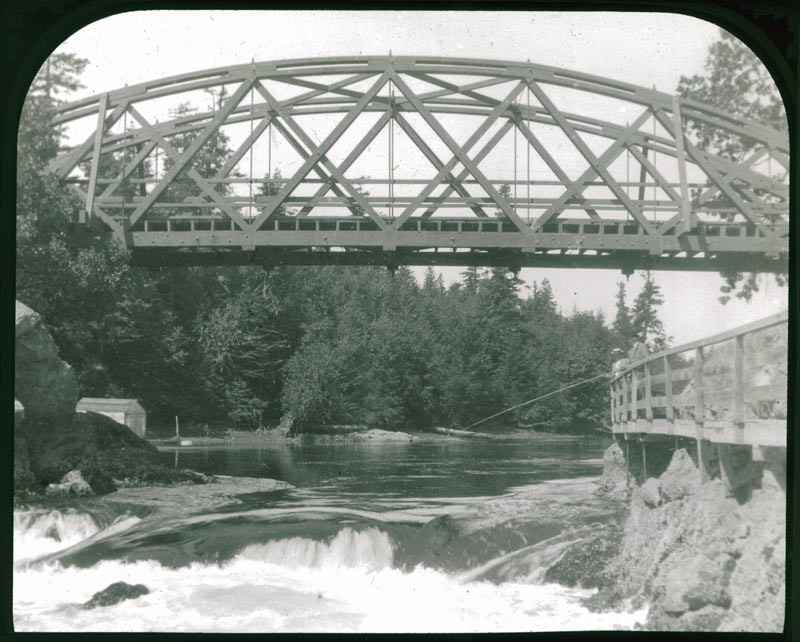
{"x":436,"y":468}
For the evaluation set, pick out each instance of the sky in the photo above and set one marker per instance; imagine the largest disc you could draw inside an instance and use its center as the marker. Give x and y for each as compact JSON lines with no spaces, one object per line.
{"x":653,"y":50}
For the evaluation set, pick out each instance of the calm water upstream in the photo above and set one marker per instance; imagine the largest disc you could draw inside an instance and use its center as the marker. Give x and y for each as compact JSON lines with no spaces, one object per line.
{"x":435,"y":534}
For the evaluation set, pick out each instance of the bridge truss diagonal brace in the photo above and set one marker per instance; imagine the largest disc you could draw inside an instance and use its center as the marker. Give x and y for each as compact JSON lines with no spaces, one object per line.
{"x":245,"y":147}
{"x":436,"y":162}
{"x":736,"y":172}
{"x":183,"y":159}
{"x":98,"y":143}
{"x":688,"y":217}
{"x":306,"y":139}
{"x":551,"y":162}
{"x":357,"y":150}
{"x":191,"y":172}
{"x":464,"y":90}
{"x":595,"y":164}
{"x":488,"y":147}
{"x":648,"y":167}
{"x":339,"y":87}
{"x":129,"y":168}
{"x":62,"y":166}
{"x":718,"y":180}
{"x":109,"y":220}
{"x":328,"y":181}
{"x":459,"y":153}
{"x":320,"y":151}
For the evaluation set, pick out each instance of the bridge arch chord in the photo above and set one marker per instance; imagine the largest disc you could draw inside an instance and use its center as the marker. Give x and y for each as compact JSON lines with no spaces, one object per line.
{"x":681,"y":206}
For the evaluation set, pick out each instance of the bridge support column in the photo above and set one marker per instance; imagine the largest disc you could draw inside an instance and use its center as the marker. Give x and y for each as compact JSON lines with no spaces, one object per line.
{"x":736,"y":466}
{"x":644,"y":460}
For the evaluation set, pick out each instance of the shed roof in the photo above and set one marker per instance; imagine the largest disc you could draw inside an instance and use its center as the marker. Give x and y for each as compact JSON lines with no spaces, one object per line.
{"x":116,"y":405}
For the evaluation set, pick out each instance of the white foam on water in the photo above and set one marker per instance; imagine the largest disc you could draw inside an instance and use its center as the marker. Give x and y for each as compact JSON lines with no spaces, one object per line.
{"x":345,"y":584}
{"x":370,"y":549}
{"x":41,"y":532}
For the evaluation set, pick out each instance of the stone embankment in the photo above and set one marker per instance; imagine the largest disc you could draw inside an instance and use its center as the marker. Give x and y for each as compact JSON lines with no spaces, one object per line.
{"x":58,"y":451}
{"x":702,"y":556}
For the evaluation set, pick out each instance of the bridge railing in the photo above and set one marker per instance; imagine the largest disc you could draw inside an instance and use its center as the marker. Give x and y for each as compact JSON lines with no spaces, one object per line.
{"x":727,"y":388}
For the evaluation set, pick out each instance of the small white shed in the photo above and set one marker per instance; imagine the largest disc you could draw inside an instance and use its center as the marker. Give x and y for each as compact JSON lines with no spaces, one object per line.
{"x":124,"y":411}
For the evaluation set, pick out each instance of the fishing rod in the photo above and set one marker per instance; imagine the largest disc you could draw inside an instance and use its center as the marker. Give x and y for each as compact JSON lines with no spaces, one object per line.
{"x":525,"y":403}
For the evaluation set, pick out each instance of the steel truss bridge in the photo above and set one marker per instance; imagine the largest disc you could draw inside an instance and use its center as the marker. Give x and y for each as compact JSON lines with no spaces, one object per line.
{"x":517,"y":164}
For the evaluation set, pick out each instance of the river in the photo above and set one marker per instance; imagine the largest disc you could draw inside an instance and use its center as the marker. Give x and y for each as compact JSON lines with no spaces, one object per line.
{"x":424,"y":535}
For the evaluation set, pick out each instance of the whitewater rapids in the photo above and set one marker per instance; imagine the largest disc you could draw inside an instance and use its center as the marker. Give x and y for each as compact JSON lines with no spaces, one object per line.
{"x":354,"y":575}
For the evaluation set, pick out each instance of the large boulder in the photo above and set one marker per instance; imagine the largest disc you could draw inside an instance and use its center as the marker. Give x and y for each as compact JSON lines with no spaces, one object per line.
{"x":681,"y":477}
{"x":696,"y":582}
{"x":650,"y":492}
{"x":115,"y":593}
{"x":43,"y":383}
{"x":614,"y":481}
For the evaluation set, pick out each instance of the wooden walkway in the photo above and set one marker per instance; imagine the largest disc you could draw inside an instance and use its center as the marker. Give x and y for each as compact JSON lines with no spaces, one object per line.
{"x":730,"y":388}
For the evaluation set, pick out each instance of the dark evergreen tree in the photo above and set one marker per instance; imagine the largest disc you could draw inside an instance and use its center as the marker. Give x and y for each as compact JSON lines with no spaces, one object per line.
{"x":646,"y":325}
{"x":623,"y":324}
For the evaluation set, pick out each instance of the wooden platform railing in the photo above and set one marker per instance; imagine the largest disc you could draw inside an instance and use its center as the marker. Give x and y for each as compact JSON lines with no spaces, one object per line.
{"x":730,"y":388}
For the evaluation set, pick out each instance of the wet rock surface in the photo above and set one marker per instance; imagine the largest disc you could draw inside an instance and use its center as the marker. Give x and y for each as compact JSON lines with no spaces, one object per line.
{"x":703,"y":557}
{"x":614,"y":482}
{"x":586,"y":564}
{"x":115,"y":593}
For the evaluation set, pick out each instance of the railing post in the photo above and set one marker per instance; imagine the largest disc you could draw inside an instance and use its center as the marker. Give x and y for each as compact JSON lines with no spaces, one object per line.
{"x":612,"y":391}
{"x":699,"y":413}
{"x":668,"y":388}
{"x":624,"y":402}
{"x":634,"y":396}
{"x":648,"y":395}
{"x":738,"y":379}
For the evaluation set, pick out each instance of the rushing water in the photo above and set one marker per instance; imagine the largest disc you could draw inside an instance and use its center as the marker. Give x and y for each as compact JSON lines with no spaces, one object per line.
{"x":434,"y":534}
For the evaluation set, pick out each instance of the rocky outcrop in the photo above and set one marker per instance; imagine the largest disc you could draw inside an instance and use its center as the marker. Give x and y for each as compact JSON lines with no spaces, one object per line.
{"x":702,"y":556}
{"x":71,"y":485}
{"x":43,"y":383}
{"x":615,"y":480}
{"x":60,"y":452}
{"x":102,"y":450}
{"x":115,"y":593}
{"x":681,"y":478}
{"x":650,"y":492}
{"x":585,"y":564}
{"x":24,"y":480}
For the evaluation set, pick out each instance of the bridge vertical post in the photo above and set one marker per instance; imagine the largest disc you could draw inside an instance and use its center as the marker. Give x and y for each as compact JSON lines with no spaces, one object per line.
{"x":634,"y":397}
{"x":738,"y":379}
{"x":648,"y":395}
{"x":668,"y":389}
{"x":688,"y":219}
{"x":699,"y":413}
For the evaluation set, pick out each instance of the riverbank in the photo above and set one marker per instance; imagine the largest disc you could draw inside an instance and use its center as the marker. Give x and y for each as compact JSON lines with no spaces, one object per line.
{"x":246,"y":438}
{"x":703,"y":557}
